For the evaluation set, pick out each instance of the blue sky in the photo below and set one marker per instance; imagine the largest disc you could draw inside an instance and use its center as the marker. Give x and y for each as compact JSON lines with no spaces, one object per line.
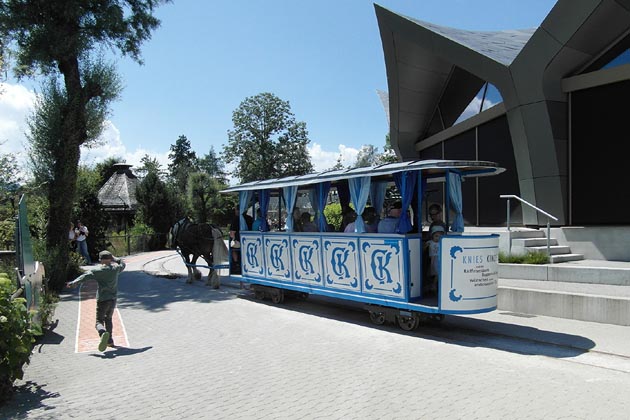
{"x":325,"y":57}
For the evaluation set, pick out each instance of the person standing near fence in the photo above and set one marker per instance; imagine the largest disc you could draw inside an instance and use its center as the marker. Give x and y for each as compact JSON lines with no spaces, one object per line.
{"x":82,"y":233}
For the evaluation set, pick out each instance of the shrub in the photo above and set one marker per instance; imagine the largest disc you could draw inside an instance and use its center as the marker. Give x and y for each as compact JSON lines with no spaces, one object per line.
{"x":16,"y":337}
{"x":531,"y":257}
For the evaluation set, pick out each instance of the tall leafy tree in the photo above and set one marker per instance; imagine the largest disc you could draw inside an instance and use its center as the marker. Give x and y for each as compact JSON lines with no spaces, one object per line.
{"x":213,"y":166}
{"x":156,"y":203}
{"x":148,"y":165}
{"x":267,"y":141}
{"x":183,"y":162}
{"x":63,"y":38}
{"x":367,"y":156}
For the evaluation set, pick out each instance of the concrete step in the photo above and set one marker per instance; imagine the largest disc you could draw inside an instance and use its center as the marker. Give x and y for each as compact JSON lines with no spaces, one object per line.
{"x":555,"y":259}
{"x":580,"y":271}
{"x":529,"y":233}
{"x":529,"y":242}
{"x":554,"y":250}
{"x":603,"y":303}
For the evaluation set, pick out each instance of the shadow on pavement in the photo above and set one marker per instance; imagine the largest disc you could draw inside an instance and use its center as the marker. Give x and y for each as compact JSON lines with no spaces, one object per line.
{"x":120,"y":351}
{"x":49,"y":337}
{"x":138,"y":290}
{"x":27,"y":397}
{"x":457,"y":330}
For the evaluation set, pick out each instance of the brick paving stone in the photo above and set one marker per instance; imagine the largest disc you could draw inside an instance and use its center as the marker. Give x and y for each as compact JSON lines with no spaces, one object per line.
{"x":198,"y":353}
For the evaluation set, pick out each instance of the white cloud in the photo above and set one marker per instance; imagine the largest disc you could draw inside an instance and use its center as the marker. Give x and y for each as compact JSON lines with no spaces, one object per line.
{"x":110,"y":145}
{"x":16,"y":103}
{"x":323,"y":159}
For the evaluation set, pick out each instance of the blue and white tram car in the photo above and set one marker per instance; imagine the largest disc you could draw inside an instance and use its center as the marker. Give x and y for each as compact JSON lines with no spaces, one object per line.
{"x":386,"y":271}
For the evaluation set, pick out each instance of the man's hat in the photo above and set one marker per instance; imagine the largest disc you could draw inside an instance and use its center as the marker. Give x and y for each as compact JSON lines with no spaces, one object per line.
{"x":105,"y":255}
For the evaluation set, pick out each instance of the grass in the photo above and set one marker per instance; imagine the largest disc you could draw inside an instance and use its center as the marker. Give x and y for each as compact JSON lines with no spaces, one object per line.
{"x":534,"y":257}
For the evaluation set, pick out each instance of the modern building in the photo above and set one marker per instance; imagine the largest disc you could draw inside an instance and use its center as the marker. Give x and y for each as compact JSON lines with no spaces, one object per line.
{"x":560,"y":129}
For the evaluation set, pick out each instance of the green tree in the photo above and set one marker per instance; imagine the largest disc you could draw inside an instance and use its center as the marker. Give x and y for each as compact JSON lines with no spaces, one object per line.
{"x":367,"y":156}
{"x":148,"y":165}
{"x":201,"y":189}
{"x":156,"y":206}
{"x":213,"y":166}
{"x":267,"y":141}
{"x":62,"y":38}
{"x":183,"y":162}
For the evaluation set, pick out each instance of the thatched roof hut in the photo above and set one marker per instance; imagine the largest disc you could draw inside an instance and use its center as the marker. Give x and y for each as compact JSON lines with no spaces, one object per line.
{"x":118,"y":195}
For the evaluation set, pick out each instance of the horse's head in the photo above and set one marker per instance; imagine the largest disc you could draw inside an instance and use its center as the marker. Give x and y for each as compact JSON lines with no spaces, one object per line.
{"x":172,"y":240}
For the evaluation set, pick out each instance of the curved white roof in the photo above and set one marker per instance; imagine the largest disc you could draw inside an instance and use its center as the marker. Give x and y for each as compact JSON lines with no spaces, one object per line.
{"x":434,"y":168}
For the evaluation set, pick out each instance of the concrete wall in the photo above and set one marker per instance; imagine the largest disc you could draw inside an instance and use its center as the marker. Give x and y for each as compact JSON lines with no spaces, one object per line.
{"x":610,"y":243}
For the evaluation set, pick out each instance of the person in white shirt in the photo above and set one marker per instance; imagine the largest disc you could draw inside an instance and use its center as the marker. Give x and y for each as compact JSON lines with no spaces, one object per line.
{"x":82,"y":233}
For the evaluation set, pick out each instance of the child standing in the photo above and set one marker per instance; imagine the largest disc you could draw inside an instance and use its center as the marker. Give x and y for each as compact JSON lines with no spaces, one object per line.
{"x":106,"y":275}
{"x":434,"y":249}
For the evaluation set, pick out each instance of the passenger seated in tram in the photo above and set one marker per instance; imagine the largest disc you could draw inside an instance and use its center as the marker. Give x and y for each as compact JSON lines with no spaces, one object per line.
{"x":350,"y":219}
{"x":257,"y":225}
{"x":390,"y":223}
{"x":307,"y":224}
{"x":370,"y":219}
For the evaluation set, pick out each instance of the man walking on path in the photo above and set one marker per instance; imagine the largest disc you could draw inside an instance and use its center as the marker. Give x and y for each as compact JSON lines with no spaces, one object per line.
{"x":106,"y":275}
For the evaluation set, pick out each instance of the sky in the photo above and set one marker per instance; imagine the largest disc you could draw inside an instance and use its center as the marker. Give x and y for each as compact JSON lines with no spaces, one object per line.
{"x":324,"y":57}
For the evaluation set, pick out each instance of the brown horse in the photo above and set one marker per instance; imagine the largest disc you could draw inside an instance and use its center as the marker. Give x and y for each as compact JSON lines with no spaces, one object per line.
{"x":194,"y":240}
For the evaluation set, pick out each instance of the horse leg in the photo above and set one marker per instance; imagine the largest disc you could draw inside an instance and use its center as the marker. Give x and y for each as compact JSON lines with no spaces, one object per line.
{"x":195,"y":270}
{"x":189,"y":280}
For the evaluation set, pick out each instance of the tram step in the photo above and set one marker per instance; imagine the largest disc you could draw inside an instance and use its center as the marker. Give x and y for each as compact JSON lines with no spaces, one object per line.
{"x":609,"y":304}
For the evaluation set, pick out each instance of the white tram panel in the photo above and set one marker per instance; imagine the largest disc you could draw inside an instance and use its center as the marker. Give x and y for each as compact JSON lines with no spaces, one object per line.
{"x":252,"y":255}
{"x":469,"y":273}
{"x":277,"y":257}
{"x":341,"y":263}
{"x":383,"y":266}
{"x":306,"y":251}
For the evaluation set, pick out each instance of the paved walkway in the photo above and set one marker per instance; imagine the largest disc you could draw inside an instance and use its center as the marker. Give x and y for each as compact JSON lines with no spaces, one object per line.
{"x":199,"y":353}
{"x":605,"y":338}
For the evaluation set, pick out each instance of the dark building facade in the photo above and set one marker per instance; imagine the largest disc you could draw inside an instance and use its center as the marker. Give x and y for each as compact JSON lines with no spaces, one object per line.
{"x":560,"y":130}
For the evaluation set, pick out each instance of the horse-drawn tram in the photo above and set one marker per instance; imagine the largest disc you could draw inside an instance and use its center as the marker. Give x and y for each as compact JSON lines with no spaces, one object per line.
{"x":404,"y":272}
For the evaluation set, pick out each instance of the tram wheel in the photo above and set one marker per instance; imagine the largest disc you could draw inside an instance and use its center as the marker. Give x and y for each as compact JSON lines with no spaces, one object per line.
{"x":277,"y":296}
{"x":408,"y":323}
{"x":377,"y":318}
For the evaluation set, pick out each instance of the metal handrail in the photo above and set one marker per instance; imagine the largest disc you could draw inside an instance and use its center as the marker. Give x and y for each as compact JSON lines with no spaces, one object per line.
{"x":549,"y":216}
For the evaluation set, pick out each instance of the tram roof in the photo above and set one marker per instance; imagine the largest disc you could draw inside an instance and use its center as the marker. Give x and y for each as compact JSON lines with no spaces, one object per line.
{"x":433,"y":168}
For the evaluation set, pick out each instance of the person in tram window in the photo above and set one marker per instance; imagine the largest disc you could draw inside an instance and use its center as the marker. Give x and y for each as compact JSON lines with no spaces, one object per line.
{"x":435,"y":212}
{"x":307,"y":225}
{"x":434,"y":249}
{"x":349,"y":220}
{"x":257,"y":225}
{"x":390,"y":223}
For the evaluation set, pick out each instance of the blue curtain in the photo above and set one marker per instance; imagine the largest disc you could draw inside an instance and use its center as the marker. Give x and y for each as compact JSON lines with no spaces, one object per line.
{"x":455,"y":195}
{"x":322,"y":194}
{"x":263,"y":201}
{"x":244,"y":198}
{"x":377,"y":196}
{"x":405,"y":182}
{"x":359,"y":193}
{"x":290,"y":194}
